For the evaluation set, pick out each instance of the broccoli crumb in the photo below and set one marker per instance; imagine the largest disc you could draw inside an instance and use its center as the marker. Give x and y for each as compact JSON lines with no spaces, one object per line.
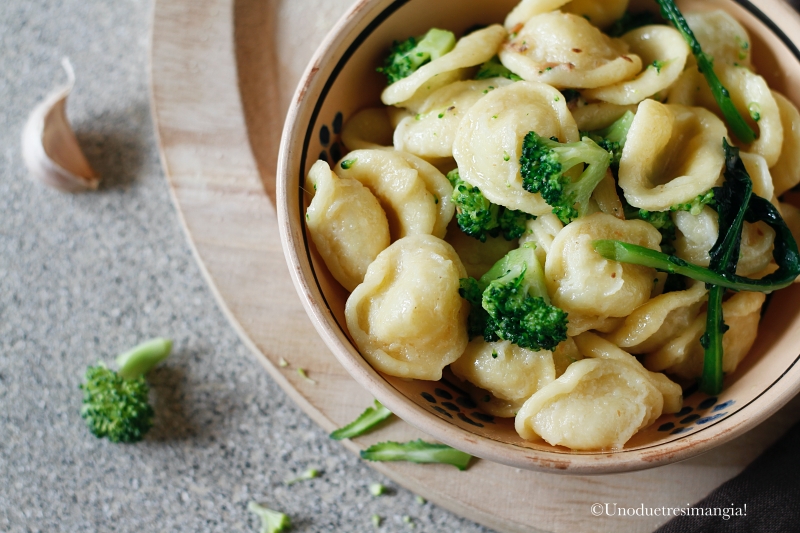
{"x":347,"y":163}
{"x":271,"y":521}
{"x":302,"y":373}
{"x":376,"y":520}
{"x":311,"y":473}
{"x":377,"y":489}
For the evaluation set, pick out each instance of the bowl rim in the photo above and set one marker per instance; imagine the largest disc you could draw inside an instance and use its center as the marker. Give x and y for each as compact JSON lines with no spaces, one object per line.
{"x":328,"y":60}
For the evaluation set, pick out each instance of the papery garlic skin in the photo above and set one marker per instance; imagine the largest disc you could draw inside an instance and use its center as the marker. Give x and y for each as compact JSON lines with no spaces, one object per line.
{"x":49,"y":146}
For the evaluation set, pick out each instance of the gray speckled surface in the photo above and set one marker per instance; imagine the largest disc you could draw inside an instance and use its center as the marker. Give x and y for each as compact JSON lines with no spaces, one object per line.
{"x":82,"y":277}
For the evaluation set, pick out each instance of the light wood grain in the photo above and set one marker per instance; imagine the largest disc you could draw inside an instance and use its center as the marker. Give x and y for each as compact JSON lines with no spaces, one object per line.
{"x":223,"y":72}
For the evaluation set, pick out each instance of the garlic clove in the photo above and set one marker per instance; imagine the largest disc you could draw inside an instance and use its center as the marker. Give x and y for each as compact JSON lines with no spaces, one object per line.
{"x":49,"y":146}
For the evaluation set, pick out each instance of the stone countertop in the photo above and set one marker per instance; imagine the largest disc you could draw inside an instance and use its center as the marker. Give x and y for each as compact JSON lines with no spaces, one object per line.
{"x":83,"y":277}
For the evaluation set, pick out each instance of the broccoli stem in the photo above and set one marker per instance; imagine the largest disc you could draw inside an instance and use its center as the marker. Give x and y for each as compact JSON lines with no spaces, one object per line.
{"x":417,"y":451}
{"x":367,"y":420}
{"x":705,"y":64}
{"x":140,"y":359}
{"x":711,"y":379}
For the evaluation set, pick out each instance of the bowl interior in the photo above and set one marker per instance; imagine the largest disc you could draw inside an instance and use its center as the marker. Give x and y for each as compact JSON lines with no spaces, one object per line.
{"x":342,"y":80}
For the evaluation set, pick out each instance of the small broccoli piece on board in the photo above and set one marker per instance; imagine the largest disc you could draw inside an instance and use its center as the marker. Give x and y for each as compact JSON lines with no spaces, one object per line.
{"x":116,"y":404}
{"x":405,"y":57}
{"x":271,"y":521}
{"x":544,"y":165}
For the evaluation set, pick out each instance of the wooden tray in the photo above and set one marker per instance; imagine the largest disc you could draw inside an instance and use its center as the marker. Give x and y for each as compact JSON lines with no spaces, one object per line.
{"x":219,"y":66}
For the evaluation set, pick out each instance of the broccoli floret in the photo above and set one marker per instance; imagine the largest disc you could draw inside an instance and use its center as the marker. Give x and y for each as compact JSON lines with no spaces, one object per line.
{"x":495,"y":69}
{"x":514,"y":304}
{"x":479,"y":218}
{"x":544,"y":164}
{"x":115,"y":404}
{"x":612,"y":139}
{"x":407,"y":56}
{"x":271,"y":521}
{"x":696,"y":206}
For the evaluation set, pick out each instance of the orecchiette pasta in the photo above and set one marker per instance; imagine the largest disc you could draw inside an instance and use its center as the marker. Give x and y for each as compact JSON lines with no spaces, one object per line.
{"x":528,"y":9}
{"x":411,"y":204}
{"x":721,"y":36}
{"x":478,"y":257}
{"x":683,"y":356}
{"x":595,"y":404}
{"x":658,"y":320}
{"x":346,"y":223}
{"x":541,"y":231}
{"x":471,"y":50}
{"x":566,"y":51}
{"x":488,"y":143}
{"x":600,"y":14}
{"x":673,"y":154}
{"x":506,"y":370}
{"x":581,"y":281}
{"x":430,"y":133}
{"x":369,"y":128}
{"x":786,"y":171}
{"x":663,"y":52}
{"x":407,"y":318}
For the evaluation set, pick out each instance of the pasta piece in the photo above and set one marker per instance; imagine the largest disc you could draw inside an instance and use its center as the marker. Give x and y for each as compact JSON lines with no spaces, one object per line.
{"x":607,"y":198}
{"x":437,"y":184}
{"x":506,"y":370}
{"x":490,"y":404}
{"x":760,"y":174}
{"x":721,"y":36}
{"x":601,"y":14}
{"x":786,"y":171}
{"x":346,"y":223}
{"x":478,"y":257}
{"x":369,"y":128}
{"x":471,"y":50}
{"x":751,"y":96}
{"x":672,"y":155}
{"x":598,"y":404}
{"x":594,"y":346}
{"x":488,"y":143}
{"x":430,"y":133}
{"x":566,"y":51}
{"x":564,"y":355}
{"x":528,"y":9}
{"x":580,"y":280}
{"x":697,"y":234}
{"x":578,"y":323}
{"x":683,"y":356}
{"x":402,"y":189}
{"x":407,"y":318}
{"x":659,"y":319}
{"x":599,"y":115}
{"x":663,"y":52}
{"x":541,"y":231}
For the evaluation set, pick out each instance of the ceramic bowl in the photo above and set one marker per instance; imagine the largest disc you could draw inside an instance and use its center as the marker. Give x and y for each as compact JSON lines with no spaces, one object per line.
{"x":341,"y":80}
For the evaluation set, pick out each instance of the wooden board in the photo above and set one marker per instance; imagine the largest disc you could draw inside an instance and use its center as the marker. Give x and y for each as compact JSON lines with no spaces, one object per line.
{"x":221,"y":65}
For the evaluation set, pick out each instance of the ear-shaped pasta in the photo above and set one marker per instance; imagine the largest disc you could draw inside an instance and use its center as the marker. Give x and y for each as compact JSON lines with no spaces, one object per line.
{"x":489,"y":403}
{"x":594,"y":346}
{"x":541,"y":231}
{"x":413,"y":193}
{"x":346,"y":223}
{"x":578,"y":323}
{"x":430,"y":133}
{"x":599,"y":115}
{"x":369,"y":128}
{"x":673,"y":154}
{"x":659,"y":320}
{"x":601,"y":14}
{"x":607,"y":197}
{"x":760,"y":174}
{"x":488,"y":143}
{"x":786,"y":171}
{"x":580,"y":280}
{"x":471,"y":50}
{"x":598,"y":404}
{"x":663,"y":52}
{"x":564,"y":355}
{"x":698,"y":233}
{"x":751,"y":96}
{"x":564,"y":50}
{"x":478,"y":257}
{"x":407,"y":318}
{"x":721,"y":36}
{"x":528,"y":9}
{"x":506,"y":370}
{"x":683,"y":356}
